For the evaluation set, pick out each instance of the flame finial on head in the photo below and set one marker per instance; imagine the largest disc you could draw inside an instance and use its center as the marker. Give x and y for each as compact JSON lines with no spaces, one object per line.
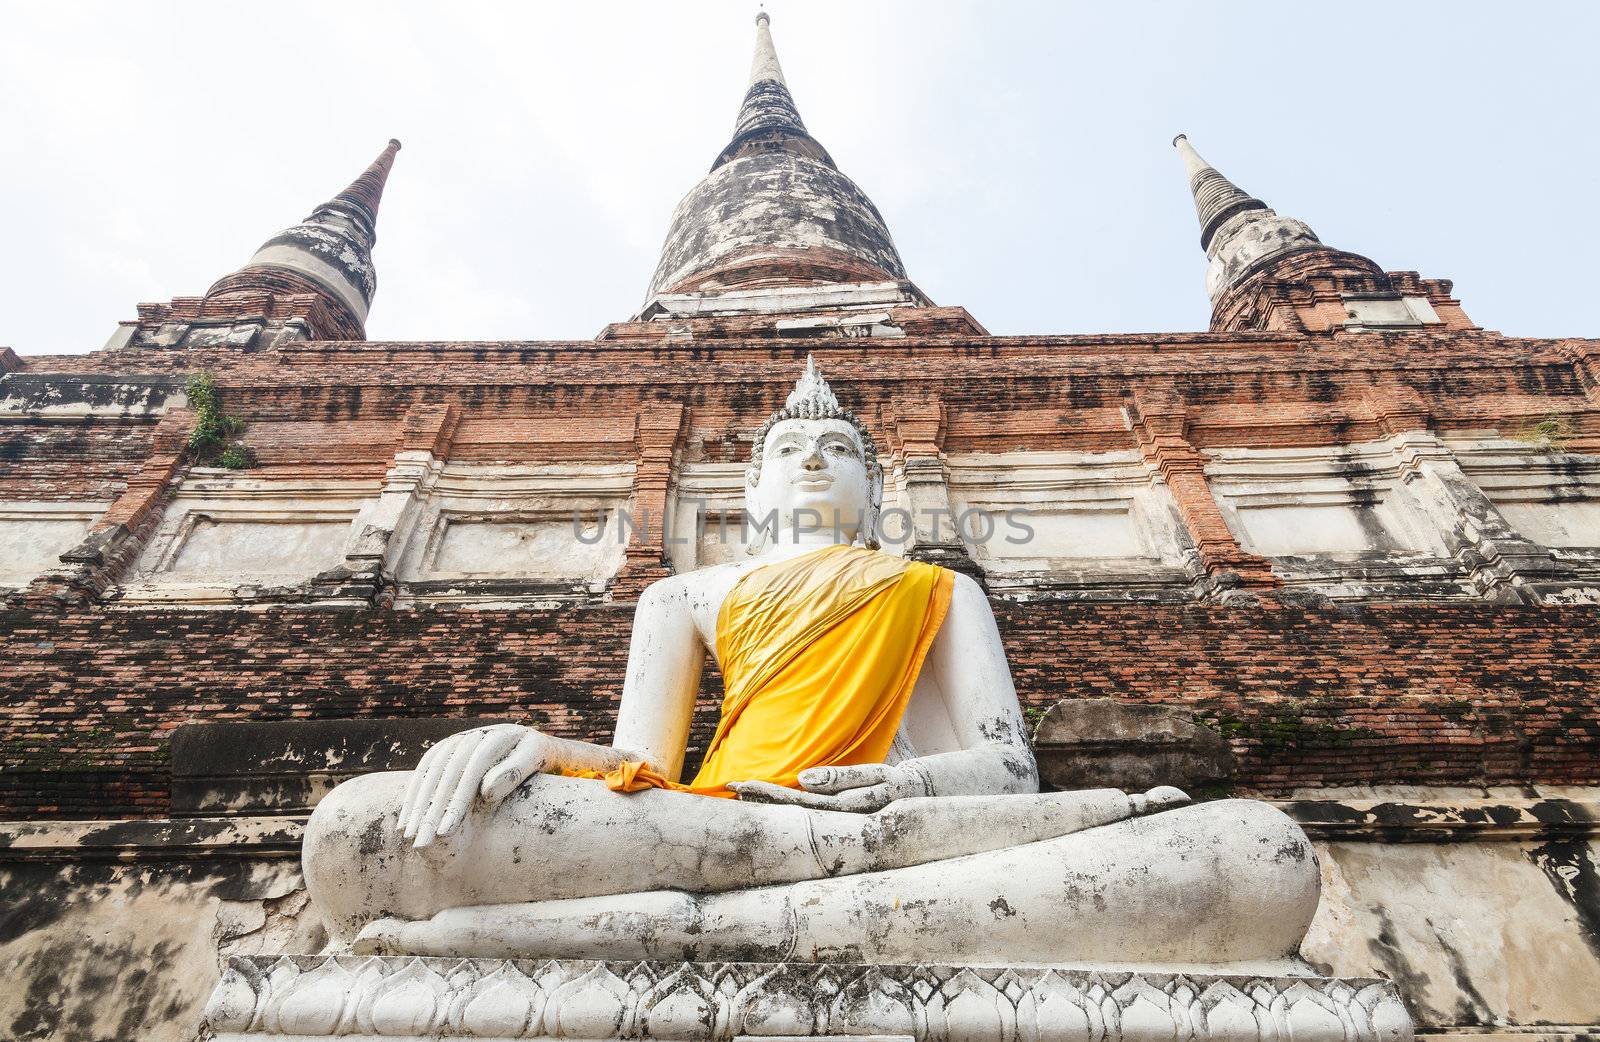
{"x":813,"y":399}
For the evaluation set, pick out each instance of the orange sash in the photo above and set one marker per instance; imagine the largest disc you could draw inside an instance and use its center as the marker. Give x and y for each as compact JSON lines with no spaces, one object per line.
{"x":819,"y":655}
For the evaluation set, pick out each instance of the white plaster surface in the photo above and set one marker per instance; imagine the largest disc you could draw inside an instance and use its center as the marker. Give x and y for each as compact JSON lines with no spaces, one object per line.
{"x":224,"y":531}
{"x":536,"y":522}
{"x":34,"y":536}
{"x":224,"y":546}
{"x":1310,"y":528}
{"x":1475,"y":933}
{"x":1555,"y":523}
{"x":1054,"y":511}
{"x":842,"y":297}
{"x":1547,"y":494}
{"x":1389,"y":311}
{"x":1322,"y":501}
{"x":537,"y":547}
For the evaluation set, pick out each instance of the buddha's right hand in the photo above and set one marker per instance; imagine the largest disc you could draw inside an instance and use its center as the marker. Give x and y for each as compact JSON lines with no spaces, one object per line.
{"x":486,"y":761}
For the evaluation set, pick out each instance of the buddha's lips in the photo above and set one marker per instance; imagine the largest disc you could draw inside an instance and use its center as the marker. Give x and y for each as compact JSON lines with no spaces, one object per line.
{"x":815,"y":483}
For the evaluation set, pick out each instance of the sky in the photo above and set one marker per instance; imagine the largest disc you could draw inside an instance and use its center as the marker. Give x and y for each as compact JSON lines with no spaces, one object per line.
{"x":1019,"y":151}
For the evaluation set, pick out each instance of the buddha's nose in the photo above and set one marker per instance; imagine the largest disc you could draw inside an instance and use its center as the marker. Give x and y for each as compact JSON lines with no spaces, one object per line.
{"x":813,"y":459}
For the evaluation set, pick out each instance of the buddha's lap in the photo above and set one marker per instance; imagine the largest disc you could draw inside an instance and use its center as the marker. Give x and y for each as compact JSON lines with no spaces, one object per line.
{"x":557,"y":824}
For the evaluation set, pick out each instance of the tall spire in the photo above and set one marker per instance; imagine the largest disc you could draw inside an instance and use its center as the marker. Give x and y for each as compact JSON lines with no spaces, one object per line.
{"x":774,"y":210}
{"x":366,"y":192}
{"x":1238,"y":231}
{"x":768,"y":112}
{"x":1215,"y":197}
{"x":331,"y":249}
{"x":765,"y":64}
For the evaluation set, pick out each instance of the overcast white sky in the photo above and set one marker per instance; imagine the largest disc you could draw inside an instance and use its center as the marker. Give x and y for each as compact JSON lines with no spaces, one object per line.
{"x":1018,"y":150}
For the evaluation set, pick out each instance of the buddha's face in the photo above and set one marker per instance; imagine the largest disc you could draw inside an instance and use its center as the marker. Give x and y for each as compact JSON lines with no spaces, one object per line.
{"x":817,"y":466}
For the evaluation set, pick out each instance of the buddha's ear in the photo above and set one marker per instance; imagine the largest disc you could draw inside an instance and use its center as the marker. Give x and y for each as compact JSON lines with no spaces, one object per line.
{"x":752,"y":498}
{"x":874,"y":512}
{"x":753,"y":513}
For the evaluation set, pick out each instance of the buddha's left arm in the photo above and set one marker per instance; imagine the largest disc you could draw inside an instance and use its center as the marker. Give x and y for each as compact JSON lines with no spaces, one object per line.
{"x":967,"y":667}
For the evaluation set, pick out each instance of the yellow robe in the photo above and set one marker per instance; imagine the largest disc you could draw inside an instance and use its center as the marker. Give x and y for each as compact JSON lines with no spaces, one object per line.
{"x":819,"y":654}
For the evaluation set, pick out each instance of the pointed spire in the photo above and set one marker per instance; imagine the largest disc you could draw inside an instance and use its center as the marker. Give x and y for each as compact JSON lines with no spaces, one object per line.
{"x":1215,"y":197}
{"x":331,"y":249}
{"x":774,"y":210}
{"x":366,"y":191}
{"x":765,"y":66}
{"x":768,"y":117}
{"x":1238,"y":231}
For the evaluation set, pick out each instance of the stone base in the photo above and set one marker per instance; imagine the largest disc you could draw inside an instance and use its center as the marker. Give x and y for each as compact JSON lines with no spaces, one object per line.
{"x":411,"y":998}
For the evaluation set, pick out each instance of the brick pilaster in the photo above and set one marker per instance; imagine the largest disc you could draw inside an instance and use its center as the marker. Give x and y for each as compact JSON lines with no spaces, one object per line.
{"x":367,"y":573}
{"x":1586,"y":363}
{"x":1501,"y":562}
{"x":658,"y":437}
{"x":915,"y":428}
{"x":1159,"y":422}
{"x":98,"y":562}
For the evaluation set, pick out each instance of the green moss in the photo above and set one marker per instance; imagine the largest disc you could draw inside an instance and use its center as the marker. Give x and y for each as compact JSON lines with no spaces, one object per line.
{"x":1286,"y":727}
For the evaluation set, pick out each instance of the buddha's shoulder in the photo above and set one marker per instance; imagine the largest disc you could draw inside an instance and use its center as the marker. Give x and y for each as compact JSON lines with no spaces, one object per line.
{"x":699,"y":587}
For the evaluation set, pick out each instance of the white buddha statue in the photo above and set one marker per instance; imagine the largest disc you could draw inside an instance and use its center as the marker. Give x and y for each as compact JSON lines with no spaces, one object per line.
{"x":869,"y":795}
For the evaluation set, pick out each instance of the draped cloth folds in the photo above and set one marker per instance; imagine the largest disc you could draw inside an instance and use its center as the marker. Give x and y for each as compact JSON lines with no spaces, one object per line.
{"x":819,"y":655}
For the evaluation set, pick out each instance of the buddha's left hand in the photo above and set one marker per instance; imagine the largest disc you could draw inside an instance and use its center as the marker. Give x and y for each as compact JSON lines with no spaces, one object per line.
{"x":859,"y":788}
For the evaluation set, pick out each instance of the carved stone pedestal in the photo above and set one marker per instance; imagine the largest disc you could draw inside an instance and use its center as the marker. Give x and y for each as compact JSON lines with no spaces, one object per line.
{"x":317,"y":997}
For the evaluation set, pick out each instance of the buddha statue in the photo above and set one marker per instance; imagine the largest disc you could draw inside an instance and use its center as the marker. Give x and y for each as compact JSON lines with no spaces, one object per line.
{"x":869,"y":794}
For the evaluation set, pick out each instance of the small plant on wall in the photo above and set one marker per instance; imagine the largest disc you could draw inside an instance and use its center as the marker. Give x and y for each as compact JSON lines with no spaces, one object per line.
{"x":1550,"y":434}
{"x":215,"y":438}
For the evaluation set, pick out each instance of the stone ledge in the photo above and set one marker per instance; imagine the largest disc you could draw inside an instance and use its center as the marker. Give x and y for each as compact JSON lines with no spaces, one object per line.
{"x":151,"y":839}
{"x":1398,"y":821}
{"x":410,"y":998}
{"x":1514,"y":1033}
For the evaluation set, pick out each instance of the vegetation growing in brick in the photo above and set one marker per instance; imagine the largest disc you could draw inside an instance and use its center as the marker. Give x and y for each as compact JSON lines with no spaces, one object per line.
{"x":215,"y":438}
{"x":1551,"y":433}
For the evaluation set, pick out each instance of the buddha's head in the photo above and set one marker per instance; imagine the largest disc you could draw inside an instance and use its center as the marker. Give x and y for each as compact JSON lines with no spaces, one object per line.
{"x":814,"y":464}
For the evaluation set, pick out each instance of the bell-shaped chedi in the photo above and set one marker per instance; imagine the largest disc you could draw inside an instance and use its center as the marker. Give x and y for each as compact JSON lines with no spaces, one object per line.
{"x":776,"y":228}
{"x":312,"y":281}
{"x":1271,"y":272}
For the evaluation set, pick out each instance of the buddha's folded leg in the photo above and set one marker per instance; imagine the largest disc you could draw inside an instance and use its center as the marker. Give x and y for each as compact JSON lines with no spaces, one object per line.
{"x":562,"y":838}
{"x":1229,"y":883}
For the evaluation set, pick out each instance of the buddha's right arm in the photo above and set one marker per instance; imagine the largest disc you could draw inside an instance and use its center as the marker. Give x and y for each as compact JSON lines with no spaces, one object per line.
{"x":663,"y":674}
{"x":489,"y":762}
{"x":665,"y":661}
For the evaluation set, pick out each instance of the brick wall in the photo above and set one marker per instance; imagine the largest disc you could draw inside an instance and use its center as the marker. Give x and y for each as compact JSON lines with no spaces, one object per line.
{"x":1438,"y":694}
{"x":70,"y":462}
